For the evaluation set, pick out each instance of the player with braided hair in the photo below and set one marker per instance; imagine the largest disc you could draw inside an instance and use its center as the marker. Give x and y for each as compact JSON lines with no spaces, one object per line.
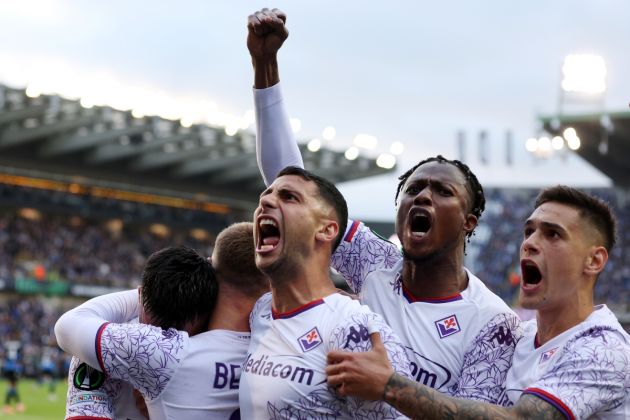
{"x":459,"y":336}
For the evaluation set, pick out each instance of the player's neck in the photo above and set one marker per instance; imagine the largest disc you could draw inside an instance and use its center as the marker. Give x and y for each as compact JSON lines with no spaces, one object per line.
{"x":304,"y":288}
{"x":553,"y":321}
{"x":435,"y":278}
{"x":231,"y":311}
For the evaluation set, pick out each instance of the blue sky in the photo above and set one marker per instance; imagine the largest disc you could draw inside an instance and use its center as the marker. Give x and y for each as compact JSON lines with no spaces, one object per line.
{"x":408,"y":71}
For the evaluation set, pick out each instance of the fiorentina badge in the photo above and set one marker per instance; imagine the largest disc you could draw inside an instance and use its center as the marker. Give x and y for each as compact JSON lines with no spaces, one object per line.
{"x":310,"y":340}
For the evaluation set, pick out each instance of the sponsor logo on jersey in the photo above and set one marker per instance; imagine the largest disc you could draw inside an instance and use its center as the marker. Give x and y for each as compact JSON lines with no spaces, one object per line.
{"x":310,"y":340}
{"x":447,"y":326}
{"x":427,"y":371}
{"x":87,"y":378}
{"x":263,"y":366}
{"x":548,"y":355}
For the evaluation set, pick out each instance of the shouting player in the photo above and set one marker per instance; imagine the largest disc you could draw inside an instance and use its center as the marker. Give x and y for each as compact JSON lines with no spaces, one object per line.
{"x":459,"y":336}
{"x":300,"y":219}
{"x":574,"y":359}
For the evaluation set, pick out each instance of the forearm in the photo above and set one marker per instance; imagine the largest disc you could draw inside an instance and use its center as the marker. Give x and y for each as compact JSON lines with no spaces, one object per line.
{"x":266,"y":73}
{"x":77,"y":329}
{"x":276,"y":147}
{"x":421,"y":402}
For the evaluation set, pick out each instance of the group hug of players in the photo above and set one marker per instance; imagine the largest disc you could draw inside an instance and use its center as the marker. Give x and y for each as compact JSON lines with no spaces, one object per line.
{"x":259,"y":331}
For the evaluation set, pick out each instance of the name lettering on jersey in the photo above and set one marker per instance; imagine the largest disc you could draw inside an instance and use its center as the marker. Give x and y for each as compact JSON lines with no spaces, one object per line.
{"x":265,"y":367}
{"x":355,"y":336}
{"x":310,"y":340}
{"x":447,"y":326}
{"x":87,"y":378}
{"x":426,"y":371}
{"x":547,"y":355}
{"x":93,"y":398}
{"x":225,"y":376}
{"x":503,"y":337}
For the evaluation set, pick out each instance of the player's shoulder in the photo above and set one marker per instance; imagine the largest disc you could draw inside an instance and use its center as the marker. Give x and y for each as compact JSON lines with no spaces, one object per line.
{"x":600,"y":332}
{"x":262,"y":304}
{"x":488,"y":302}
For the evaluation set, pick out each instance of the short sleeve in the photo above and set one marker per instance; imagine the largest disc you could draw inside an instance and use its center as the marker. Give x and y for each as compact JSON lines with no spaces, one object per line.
{"x":488,"y":359}
{"x":361,"y":252}
{"x":590,"y":376}
{"x":145,"y":356}
{"x":354,"y":335}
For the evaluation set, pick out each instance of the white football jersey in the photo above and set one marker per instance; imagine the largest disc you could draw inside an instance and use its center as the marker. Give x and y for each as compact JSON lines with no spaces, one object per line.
{"x":461,"y":345}
{"x":584,"y":372}
{"x":284,"y":372}
{"x":181,"y":377}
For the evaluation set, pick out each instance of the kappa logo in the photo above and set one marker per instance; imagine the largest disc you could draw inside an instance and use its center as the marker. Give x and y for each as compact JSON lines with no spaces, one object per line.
{"x":87,"y":378}
{"x":310,"y":340}
{"x":447,"y":326}
{"x":548,"y":355}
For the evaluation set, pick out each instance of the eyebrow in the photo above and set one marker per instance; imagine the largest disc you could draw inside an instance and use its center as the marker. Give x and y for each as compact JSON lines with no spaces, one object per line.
{"x":546,"y":225}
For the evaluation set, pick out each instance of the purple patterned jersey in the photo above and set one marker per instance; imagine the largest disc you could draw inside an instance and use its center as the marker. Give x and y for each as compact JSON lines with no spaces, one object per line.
{"x":461,"y":345}
{"x":584,"y":372}
{"x":284,"y":372}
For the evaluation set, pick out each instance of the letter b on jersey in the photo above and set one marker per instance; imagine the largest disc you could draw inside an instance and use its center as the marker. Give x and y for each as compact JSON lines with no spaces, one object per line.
{"x":226,"y":376}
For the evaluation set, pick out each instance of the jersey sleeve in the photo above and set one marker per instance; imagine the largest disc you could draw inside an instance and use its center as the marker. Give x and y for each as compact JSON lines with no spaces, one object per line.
{"x":77,"y":329}
{"x":591,"y":375}
{"x":276,"y":147}
{"x":488,"y":359}
{"x":353,"y":335}
{"x":142,"y":355}
{"x":361,"y":252}
{"x":89,"y":393}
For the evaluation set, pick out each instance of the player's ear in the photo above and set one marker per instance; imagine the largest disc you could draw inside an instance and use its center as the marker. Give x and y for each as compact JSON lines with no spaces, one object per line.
{"x":596,"y":260}
{"x":328,"y":231}
{"x":470,"y":223}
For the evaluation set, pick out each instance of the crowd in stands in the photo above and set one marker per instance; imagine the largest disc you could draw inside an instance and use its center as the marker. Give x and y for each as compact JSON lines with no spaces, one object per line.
{"x":495,"y":249}
{"x":80,"y":250}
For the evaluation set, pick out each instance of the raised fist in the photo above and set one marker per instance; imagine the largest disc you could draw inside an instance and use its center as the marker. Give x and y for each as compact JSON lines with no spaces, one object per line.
{"x":267,"y":32}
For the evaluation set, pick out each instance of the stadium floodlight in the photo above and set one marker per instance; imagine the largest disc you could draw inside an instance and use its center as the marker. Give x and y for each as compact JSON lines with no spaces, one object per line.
{"x":365,"y":141}
{"x":396,"y":148}
{"x":352,"y":153}
{"x":544,"y":144}
{"x":574,"y":143}
{"x":569,"y":133}
{"x":557,"y":143}
{"x":314,"y":145}
{"x":32,"y":91}
{"x":584,"y":73}
{"x":386,"y":161}
{"x":531,"y":144}
{"x":231,"y":130}
{"x":296,"y":124}
{"x":329,"y":133}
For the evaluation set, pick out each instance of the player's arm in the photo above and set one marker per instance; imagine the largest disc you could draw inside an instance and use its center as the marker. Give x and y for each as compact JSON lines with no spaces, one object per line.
{"x":276,"y":147}
{"x":78,"y":329}
{"x":488,"y":359}
{"x":369,"y":375}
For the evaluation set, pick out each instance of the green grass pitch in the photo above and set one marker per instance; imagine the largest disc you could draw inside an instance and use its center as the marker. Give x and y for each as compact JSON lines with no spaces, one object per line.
{"x":38,"y":404}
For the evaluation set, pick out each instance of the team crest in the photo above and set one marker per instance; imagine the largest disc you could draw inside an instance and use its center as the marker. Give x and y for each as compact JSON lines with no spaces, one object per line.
{"x":87,"y":378}
{"x":548,"y":355}
{"x":310,"y":340}
{"x":447,"y":326}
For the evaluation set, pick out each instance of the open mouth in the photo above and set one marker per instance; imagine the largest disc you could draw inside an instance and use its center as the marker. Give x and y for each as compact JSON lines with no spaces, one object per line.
{"x":420,"y":223}
{"x":531,"y":273}
{"x":268,"y":234}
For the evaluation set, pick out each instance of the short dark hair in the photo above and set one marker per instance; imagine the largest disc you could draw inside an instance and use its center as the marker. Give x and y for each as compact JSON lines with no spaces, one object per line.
{"x":234,"y":260}
{"x":592,"y":209}
{"x":475,"y":191}
{"x":178,"y":286}
{"x":329,"y":193}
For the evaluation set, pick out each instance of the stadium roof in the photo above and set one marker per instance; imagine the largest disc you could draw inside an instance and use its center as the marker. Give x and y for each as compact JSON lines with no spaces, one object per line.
{"x":52,"y":135}
{"x":604,"y":140}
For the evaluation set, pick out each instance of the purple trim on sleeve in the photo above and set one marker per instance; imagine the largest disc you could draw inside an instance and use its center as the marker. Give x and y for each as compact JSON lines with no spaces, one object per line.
{"x":97,"y":345}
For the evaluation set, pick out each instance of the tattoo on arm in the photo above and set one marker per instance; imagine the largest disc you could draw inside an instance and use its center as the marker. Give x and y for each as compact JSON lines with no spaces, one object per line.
{"x":421,"y":402}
